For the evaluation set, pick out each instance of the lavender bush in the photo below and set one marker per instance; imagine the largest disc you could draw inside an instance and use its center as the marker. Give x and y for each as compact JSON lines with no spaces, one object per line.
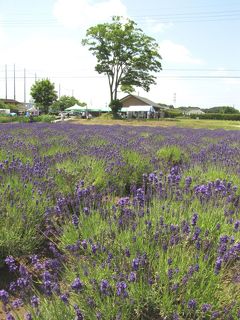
{"x":119,"y":222}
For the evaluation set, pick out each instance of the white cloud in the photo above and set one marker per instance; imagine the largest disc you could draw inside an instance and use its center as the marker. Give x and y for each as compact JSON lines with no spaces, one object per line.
{"x":177,"y":53}
{"x":82,"y":13}
{"x":157,"y":27}
{"x":63,"y":60}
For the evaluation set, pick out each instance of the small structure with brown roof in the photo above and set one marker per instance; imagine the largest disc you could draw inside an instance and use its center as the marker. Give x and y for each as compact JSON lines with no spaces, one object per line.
{"x":15,"y":105}
{"x":134,"y":100}
{"x":140,"y":107}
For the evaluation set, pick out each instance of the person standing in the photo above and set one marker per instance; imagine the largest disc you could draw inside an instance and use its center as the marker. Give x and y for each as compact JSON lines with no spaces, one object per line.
{"x":62,"y":116}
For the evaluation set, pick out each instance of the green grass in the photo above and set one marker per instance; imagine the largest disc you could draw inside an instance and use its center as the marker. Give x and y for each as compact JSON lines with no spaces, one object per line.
{"x":172,"y":154}
{"x":21,"y":212}
{"x":182,"y":123}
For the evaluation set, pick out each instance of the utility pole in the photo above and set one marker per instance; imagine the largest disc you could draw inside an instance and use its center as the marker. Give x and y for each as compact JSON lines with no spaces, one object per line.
{"x":14,"y":82}
{"x":174,"y":99}
{"x":24,"y":78}
{"x":59,"y":90}
{"x":6,"y":81}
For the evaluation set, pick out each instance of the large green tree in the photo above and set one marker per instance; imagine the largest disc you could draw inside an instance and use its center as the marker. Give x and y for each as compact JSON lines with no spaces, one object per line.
{"x":44,"y":94}
{"x":65,"y":102}
{"x":125,"y":54}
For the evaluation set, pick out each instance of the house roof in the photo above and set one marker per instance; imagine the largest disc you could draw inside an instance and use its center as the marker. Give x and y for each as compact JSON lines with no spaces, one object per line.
{"x":195,"y":111}
{"x":11,"y":101}
{"x":145,"y":100}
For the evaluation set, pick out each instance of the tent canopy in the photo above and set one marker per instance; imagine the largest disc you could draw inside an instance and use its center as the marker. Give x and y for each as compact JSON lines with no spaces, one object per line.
{"x":99,"y":109}
{"x":76,"y":107}
{"x":138,"y":109}
{"x":33,"y":109}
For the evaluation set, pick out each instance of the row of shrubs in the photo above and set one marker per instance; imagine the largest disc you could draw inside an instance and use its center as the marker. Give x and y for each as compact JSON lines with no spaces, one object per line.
{"x":41,"y":118}
{"x":209,"y":116}
{"x":172,"y":114}
{"x":216,"y":116}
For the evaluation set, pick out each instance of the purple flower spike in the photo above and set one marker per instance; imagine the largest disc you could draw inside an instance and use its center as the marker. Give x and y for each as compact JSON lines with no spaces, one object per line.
{"x":135,"y":264}
{"x":28,"y":316}
{"x":4,"y":296}
{"x":77,"y":285}
{"x":192,"y":304}
{"x":206,"y":307}
{"x":75,"y":220}
{"x":218,"y":265}
{"x":121,"y":289}
{"x":35,"y":301}
{"x":79,"y":315}
{"x":11,"y":263}
{"x":104,"y":287}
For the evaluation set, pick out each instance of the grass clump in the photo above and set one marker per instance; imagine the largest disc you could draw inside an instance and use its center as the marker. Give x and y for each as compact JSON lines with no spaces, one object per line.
{"x":172,"y":154}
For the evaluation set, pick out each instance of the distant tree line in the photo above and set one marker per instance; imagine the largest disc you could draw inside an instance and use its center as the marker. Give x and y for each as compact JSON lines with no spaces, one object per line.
{"x":215,"y":110}
{"x":223,"y":109}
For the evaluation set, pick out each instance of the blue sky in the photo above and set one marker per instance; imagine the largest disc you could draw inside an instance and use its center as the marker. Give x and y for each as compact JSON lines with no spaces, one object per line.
{"x":198,"y":41}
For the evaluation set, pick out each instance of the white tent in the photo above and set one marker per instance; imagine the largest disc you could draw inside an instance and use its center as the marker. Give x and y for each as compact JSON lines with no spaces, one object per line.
{"x":76,"y":107}
{"x":34,"y":111}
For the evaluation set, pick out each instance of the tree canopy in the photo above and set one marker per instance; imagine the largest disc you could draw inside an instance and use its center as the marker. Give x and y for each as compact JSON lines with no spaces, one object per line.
{"x":222,"y":109}
{"x":125,"y":54}
{"x":44,"y":94}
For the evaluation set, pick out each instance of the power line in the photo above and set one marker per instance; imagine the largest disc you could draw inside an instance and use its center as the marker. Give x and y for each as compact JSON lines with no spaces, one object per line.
{"x":100,"y":77}
{"x":202,"y":16}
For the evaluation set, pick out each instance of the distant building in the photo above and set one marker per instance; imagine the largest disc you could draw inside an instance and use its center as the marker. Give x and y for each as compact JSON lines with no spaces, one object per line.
{"x":194,"y":111}
{"x":140,"y":107}
{"x":4,"y":111}
{"x":10,"y":101}
{"x":15,"y":105}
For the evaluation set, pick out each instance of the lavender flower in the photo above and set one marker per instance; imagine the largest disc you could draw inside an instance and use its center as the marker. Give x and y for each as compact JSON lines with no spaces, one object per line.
{"x":192,"y":304}
{"x":4,"y":296}
{"x":132,"y":277}
{"x":206,"y":307}
{"x":79,"y":315}
{"x":218,"y":265}
{"x":104,"y":287}
{"x":77,"y":285}
{"x":135,"y":264}
{"x":34,"y":301}
{"x":64,"y":297}
{"x":11,"y":263}
{"x":121,"y":289}
{"x":17,"y":303}
{"x":75,"y":220}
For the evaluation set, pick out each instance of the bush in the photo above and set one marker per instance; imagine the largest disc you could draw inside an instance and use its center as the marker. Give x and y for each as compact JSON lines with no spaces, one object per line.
{"x":44,"y":118}
{"x":3,"y":105}
{"x":4,"y":118}
{"x":172,"y":114}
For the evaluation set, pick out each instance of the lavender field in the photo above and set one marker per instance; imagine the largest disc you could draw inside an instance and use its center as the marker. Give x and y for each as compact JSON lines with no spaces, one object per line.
{"x":118,"y":222}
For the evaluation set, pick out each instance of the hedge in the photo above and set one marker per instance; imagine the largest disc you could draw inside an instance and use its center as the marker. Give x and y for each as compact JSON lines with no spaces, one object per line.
{"x":172,"y":114}
{"x":216,"y":116}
